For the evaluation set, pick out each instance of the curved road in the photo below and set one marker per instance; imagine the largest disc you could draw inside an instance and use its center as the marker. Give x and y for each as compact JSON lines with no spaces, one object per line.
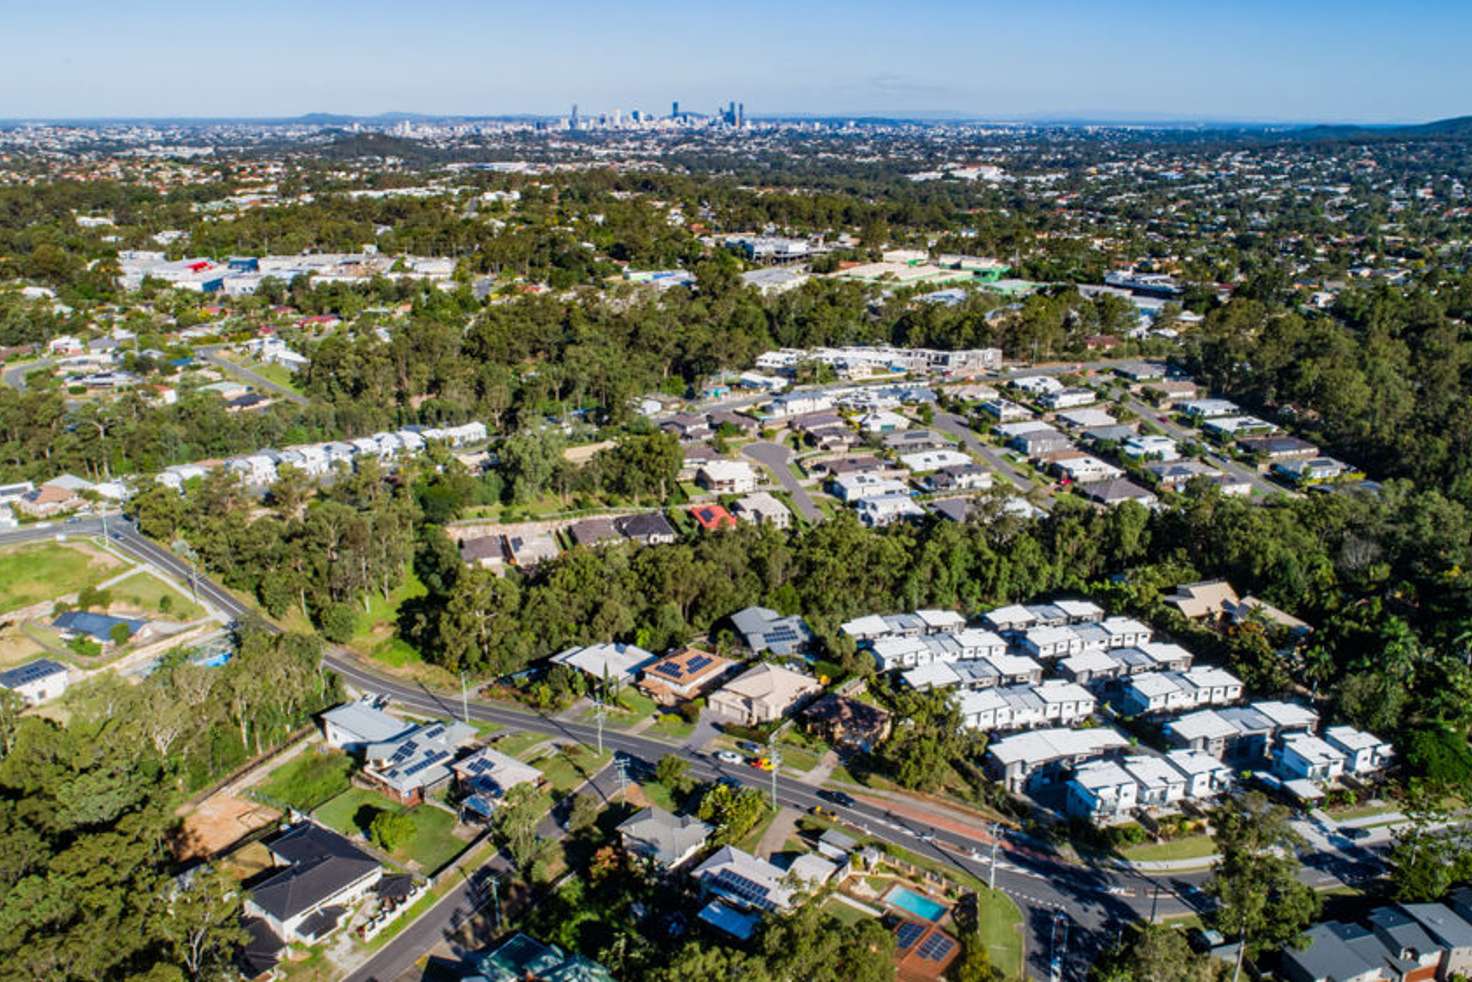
{"x":778,"y":459}
{"x":211,"y":354}
{"x":1095,"y":899}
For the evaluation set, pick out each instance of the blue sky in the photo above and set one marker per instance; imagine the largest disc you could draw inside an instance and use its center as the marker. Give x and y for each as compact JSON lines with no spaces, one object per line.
{"x":1238,"y":59}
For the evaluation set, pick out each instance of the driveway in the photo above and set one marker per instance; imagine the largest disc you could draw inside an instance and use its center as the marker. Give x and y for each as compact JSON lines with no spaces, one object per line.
{"x":778,"y":459}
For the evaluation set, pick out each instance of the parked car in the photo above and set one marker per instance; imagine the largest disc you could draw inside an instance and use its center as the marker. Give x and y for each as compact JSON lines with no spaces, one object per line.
{"x":728,"y":757}
{"x":838,"y":798}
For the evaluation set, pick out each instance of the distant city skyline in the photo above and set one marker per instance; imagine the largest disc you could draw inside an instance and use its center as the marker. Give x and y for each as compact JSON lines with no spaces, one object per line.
{"x":1131,"y":60}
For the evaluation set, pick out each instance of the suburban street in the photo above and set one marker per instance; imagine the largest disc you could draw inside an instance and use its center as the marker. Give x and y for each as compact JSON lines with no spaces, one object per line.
{"x":212,"y":355}
{"x":1095,"y":898}
{"x":777,"y":458}
{"x":956,"y":426}
{"x":1181,"y":434}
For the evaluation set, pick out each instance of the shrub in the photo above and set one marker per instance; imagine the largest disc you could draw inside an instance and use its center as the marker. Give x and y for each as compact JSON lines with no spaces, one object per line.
{"x":339,"y":622}
{"x":391,"y":830}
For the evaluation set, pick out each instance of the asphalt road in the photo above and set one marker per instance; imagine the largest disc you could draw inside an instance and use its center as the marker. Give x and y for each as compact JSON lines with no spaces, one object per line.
{"x":1095,"y":899}
{"x":957,"y":426}
{"x":15,"y":375}
{"x":212,"y":355}
{"x":1181,"y":434}
{"x":777,"y":458}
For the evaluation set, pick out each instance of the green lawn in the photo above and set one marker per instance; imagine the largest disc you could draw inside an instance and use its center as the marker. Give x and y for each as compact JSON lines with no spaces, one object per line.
{"x":1360,"y":811}
{"x":1186,"y":847}
{"x":754,"y":837}
{"x":659,"y":796}
{"x":143,"y":590}
{"x":517,"y":744}
{"x":432,"y":845}
{"x":568,"y":767}
{"x":670,"y":726}
{"x":43,"y":571}
{"x":271,"y":371}
{"x":1001,"y":930}
{"x":309,"y":780}
{"x":383,"y":613}
{"x":396,"y":653}
{"x":798,"y":758}
{"x":842,"y":912}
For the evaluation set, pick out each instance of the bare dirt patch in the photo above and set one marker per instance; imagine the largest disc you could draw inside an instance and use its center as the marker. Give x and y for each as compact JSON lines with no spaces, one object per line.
{"x":220,"y":821}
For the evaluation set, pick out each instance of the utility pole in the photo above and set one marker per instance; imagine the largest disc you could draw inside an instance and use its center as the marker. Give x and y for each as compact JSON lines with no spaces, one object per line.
{"x":623,"y":774}
{"x":774,"y":757}
{"x":991,"y":881}
{"x":464,"y":699}
{"x":599,"y":710}
{"x":496,"y":898}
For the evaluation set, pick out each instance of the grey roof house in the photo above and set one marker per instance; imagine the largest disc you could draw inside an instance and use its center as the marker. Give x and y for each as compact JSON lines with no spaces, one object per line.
{"x":322,"y":873}
{"x":665,"y":840}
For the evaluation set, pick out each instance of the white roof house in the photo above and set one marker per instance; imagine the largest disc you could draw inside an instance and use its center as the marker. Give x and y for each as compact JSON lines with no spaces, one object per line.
{"x":617,"y":662}
{"x":1013,"y":617}
{"x":1161,"y":785}
{"x":941,"y":621}
{"x":1363,"y":752}
{"x":877,"y":511}
{"x":1208,"y":408}
{"x":1101,"y":790}
{"x":356,"y":725}
{"x":1088,"y":666}
{"x":1205,"y":775}
{"x":935,"y":675}
{"x":1050,"y":642}
{"x":1080,"y":611}
{"x":727,"y":477}
{"x":1303,"y":756}
{"x":1020,"y":756}
{"x":1149,"y":447}
{"x":933,"y":460}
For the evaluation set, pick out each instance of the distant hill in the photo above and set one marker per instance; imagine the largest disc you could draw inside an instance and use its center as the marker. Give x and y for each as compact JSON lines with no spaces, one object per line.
{"x":1455,"y":128}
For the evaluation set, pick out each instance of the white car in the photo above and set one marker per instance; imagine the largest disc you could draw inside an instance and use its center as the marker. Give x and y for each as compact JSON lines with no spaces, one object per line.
{"x":728,"y":757}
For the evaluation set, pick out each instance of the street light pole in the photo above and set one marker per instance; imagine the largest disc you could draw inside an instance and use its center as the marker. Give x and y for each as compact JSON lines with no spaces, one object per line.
{"x":464,"y":700}
{"x":991,"y":882}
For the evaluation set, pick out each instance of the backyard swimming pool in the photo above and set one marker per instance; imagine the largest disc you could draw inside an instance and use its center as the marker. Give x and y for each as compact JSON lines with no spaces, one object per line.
{"x":917,"y":904}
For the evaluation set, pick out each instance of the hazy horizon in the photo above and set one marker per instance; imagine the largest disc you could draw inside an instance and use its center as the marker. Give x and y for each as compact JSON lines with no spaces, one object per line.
{"x":1317,"y":62}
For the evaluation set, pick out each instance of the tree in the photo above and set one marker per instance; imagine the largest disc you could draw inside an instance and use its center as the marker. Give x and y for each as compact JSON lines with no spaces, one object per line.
{"x":119,"y":634}
{"x":733,"y":811}
{"x":807,"y":944}
{"x":391,"y":830}
{"x":672,"y":771}
{"x":1262,"y":902}
{"x":582,"y":813}
{"x":1157,"y":953}
{"x":339,"y":622}
{"x":201,"y":925}
{"x":515,"y":825}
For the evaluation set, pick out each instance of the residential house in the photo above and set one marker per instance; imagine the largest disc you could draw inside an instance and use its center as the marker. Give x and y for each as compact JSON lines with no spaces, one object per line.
{"x":764,"y":629}
{"x":727,"y":477}
{"x":1144,"y":447}
{"x":1450,"y":931}
{"x":878,"y":511}
{"x":1126,"y":632}
{"x":1044,"y":641}
{"x":687,"y":426}
{"x":36,"y":681}
{"x":521,"y":957}
{"x":933,"y":460}
{"x":321,"y":874}
{"x":354,"y":726}
{"x":1034,"y":757}
{"x":48,"y":500}
{"x":486,"y":551}
{"x":615,"y":662}
{"x":922,"y":951}
{"x":963,"y":477}
{"x":1205,"y":775}
{"x":1313,"y":471}
{"x":663,"y":839}
{"x":1364,"y":753}
{"x":854,"y":487}
{"x":1303,"y":756}
{"x":1205,"y":730}
{"x":1407,"y":942}
{"x":104,"y":629}
{"x":1208,"y":408}
{"x":1101,"y":791}
{"x":531,"y":549}
{"x":593,"y":532}
{"x":1231,"y":427}
{"x":712,"y":517}
{"x":1116,"y":492}
{"x":761,"y":694}
{"x":1040,"y":442}
{"x":883,"y":421}
{"x":1206,"y":599}
{"x":648,"y":528}
{"x":741,"y":888}
{"x":683,"y":674}
{"x":909,"y":441}
{"x":1088,"y":667}
{"x":485,"y":777}
{"x":847,"y":722}
{"x":1068,"y":398}
{"x":762,"y":508}
{"x":408,"y":766}
{"x":1276,"y":448}
{"x":1161,"y":786}
{"x":1082,"y":468}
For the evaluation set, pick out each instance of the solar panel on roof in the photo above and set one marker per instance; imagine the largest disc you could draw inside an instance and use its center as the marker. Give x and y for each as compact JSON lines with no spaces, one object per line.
{"x":907,"y":933}
{"x":434,"y":733}
{"x":698,"y":662}
{"x":936,"y":947}
{"x":744,"y":888}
